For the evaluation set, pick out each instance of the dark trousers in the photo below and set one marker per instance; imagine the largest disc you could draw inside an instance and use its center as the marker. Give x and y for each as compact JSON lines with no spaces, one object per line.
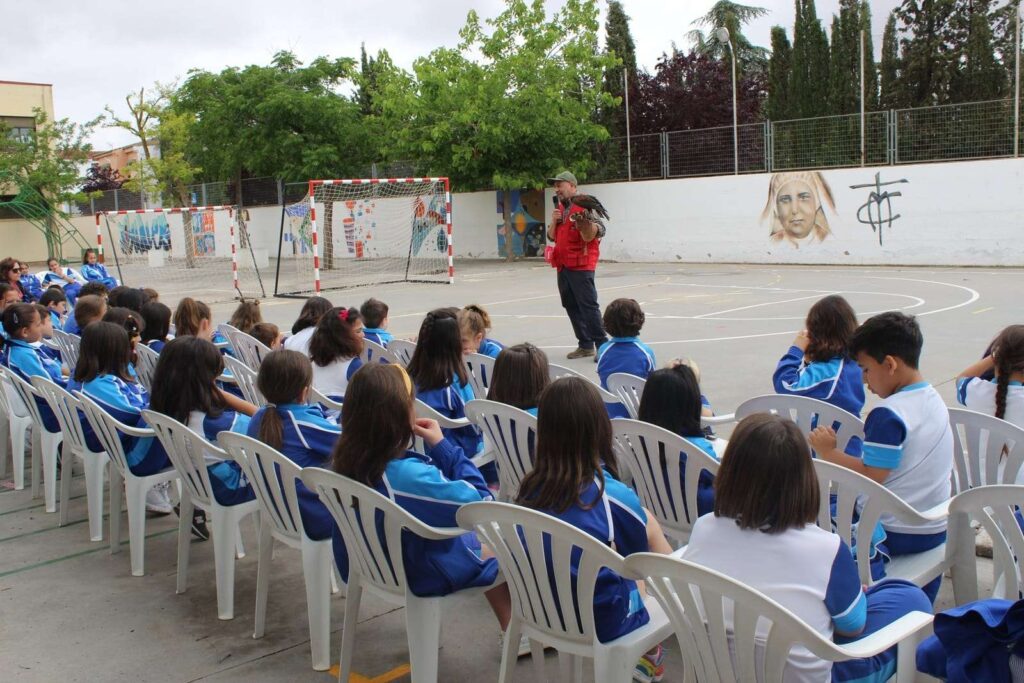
{"x":579,"y":299}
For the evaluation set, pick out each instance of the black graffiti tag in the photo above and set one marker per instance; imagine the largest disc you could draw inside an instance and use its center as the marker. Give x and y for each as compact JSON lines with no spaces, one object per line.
{"x":878,"y":205}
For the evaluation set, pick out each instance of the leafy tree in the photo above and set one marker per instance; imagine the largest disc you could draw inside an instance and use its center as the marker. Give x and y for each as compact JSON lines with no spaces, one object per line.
{"x":48,"y":158}
{"x":101,"y":178}
{"x":371,"y":70}
{"x":618,"y":42}
{"x":780,"y":106}
{"x":844,"y":64}
{"x":732,"y":16}
{"x":870,"y":67}
{"x":979,"y":75}
{"x":928,"y":54}
{"x":890,"y":65}
{"x":810,"y":81}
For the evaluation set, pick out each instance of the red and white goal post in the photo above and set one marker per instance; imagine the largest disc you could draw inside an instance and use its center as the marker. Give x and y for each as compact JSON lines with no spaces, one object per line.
{"x":197,"y":251}
{"x":359,"y":232}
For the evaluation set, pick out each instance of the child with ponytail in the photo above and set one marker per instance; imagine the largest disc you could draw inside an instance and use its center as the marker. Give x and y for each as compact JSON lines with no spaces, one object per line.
{"x":1003,"y":396}
{"x":474,"y":324}
{"x":193,"y":319}
{"x":23,"y":325}
{"x":334,"y":350}
{"x":298,"y":429}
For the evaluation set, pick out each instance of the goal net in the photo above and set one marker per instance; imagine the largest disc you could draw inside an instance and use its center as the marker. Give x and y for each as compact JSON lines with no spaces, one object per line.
{"x":352,"y":233}
{"x":201,"y":251}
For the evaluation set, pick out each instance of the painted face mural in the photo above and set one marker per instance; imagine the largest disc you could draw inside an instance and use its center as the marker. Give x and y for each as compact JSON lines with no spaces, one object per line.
{"x":795,"y":207}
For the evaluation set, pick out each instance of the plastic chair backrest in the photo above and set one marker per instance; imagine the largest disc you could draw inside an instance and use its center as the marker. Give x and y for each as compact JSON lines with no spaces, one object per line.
{"x":69,"y":344}
{"x":245,"y":378}
{"x":995,"y":509}
{"x":65,"y":408}
{"x":24,"y":395}
{"x":526,"y":542}
{"x":512,"y":433}
{"x":445,"y":422}
{"x":11,"y":399}
{"x":643,"y":447}
{"x":559,"y":371}
{"x":986,"y":450}
{"x":375,"y":353}
{"x":480,"y":369}
{"x":250,"y":350}
{"x":629,"y":389}
{"x":187,"y":452}
{"x":807,"y":413}
{"x":107,"y":431}
{"x":273,"y":477}
{"x":371,"y":526}
{"x":403,"y":350}
{"x":146,"y":368}
{"x":728,"y":631}
{"x":326,"y":401}
{"x":854,"y":491}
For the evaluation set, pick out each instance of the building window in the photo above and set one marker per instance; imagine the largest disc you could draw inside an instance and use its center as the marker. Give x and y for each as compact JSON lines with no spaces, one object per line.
{"x":21,"y":133}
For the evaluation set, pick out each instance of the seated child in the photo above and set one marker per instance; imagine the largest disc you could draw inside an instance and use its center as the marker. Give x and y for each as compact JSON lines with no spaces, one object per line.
{"x":302,"y":331}
{"x":246,"y":315}
{"x":1003,"y":395}
{"x":65,"y":278}
{"x":94,"y":271}
{"x":334,"y":349}
{"x":474,"y":324}
{"x":375,"y":317}
{"x":56,"y":304}
{"x":126,"y":297}
{"x":269,"y":334}
{"x":88,"y":309}
{"x":24,"y":326}
{"x":624,"y":352}
{"x":521,"y":374}
{"x":156,"y":329}
{"x":908,"y":444}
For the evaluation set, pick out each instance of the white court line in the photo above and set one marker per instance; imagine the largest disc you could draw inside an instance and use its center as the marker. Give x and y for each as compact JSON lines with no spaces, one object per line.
{"x":974,"y":294}
{"x":766,"y":303}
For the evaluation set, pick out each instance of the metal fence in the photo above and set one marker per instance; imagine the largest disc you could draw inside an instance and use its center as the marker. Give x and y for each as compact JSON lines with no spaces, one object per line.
{"x":954,"y":132}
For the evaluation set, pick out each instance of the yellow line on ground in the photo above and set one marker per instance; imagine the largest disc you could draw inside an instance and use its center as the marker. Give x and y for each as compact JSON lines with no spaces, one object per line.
{"x":385,"y":677}
{"x":982,"y":310}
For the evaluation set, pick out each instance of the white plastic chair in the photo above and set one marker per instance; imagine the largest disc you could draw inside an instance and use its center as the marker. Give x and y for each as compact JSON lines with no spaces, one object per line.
{"x":423,"y":410}
{"x":245,"y":378}
{"x":372,"y":526}
{"x":525,"y":542}
{"x":559,"y":371}
{"x":511,"y":433}
{"x":402,"y":350}
{"x":69,"y":344}
{"x":146,"y":367}
{"x":629,"y":388}
{"x":65,"y":408}
{"x":248,"y":349}
{"x":480,"y":369}
{"x":108,"y":431}
{"x":806,"y":413}
{"x":273,"y":477}
{"x":375,"y":353}
{"x":187,"y":452}
{"x":17,"y":420}
{"x":49,"y":442}
{"x":853,"y":490}
{"x":728,"y":631}
{"x":323,"y":399}
{"x":986,"y":450}
{"x":643,"y":447}
{"x":994,"y":508}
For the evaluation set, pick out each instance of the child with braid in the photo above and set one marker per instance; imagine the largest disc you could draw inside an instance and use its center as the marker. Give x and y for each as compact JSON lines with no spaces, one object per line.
{"x":1002,"y":396}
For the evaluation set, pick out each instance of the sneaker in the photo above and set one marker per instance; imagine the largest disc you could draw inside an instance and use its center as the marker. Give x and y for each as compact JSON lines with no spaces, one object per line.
{"x":524,"y":644}
{"x":199,"y":529}
{"x":651,"y":667}
{"x":581,"y":353}
{"x":158,"y":500}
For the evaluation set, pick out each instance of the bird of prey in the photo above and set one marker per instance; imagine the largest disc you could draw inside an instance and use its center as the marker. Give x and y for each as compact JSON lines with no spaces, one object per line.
{"x":591,"y":204}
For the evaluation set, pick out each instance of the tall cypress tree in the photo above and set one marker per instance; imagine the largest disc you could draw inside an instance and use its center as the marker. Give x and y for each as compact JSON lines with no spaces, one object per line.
{"x":843,"y":61}
{"x":890,"y":66}
{"x":978,"y":76}
{"x":780,"y":106}
{"x":870,"y":67}
{"x":619,"y":40}
{"x":810,"y":84}
{"x":928,"y":63}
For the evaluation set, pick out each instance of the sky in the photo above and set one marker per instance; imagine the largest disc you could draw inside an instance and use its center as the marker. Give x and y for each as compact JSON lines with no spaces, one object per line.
{"x":94,"y":55}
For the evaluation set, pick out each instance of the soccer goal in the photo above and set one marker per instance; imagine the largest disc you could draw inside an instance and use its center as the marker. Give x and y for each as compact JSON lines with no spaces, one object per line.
{"x":352,"y":233}
{"x":198,"y":251}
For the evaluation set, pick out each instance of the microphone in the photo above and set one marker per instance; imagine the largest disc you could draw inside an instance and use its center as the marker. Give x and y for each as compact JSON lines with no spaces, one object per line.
{"x":554,"y":202}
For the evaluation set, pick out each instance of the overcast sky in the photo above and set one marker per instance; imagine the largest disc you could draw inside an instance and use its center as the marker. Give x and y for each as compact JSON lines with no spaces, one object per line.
{"x":94,"y":54}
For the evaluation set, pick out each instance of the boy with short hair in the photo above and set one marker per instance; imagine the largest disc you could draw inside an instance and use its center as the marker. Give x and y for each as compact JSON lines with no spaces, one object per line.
{"x":908,"y":443}
{"x":375,"y":319}
{"x":624,"y":352}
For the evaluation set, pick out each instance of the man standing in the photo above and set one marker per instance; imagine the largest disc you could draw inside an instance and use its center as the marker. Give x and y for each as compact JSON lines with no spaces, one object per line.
{"x":575,"y":256}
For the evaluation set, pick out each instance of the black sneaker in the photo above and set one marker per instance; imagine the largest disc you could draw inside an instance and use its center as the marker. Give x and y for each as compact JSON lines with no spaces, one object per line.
{"x":199,"y":529}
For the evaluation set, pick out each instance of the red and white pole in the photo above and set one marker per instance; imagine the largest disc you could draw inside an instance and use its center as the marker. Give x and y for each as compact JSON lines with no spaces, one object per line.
{"x":99,"y":240}
{"x":234,"y":252}
{"x":448,"y":225}
{"x":316,"y":243}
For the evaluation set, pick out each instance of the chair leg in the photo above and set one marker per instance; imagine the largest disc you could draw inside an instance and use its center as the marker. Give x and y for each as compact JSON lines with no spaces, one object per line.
{"x":611,"y":667}
{"x":348,"y":633}
{"x":66,"y":461}
{"x":5,"y":442}
{"x":510,"y":652}
{"x":266,"y":554}
{"x":94,"y":464}
{"x":37,"y":467}
{"x":225,"y":539}
{"x":317,"y":561}
{"x":19,"y":432}
{"x":50,"y":445}
{"x":184,"y":540}
{"x":114,"y":517}
{"x":136,"y":493}
{"x":423,"y":628}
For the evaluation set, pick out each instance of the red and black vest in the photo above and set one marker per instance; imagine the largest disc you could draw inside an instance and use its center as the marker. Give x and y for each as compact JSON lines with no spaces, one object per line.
{"x":571,"y":252}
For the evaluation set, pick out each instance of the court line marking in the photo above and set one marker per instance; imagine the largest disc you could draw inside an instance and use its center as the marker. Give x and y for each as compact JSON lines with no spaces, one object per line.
{"x":385,"y":677}
{"x":33,"y":507}
{"x":90,"y":551}
{"x":974,"y":293}
{"x":983,"y":310}
{"x":766,"y":303}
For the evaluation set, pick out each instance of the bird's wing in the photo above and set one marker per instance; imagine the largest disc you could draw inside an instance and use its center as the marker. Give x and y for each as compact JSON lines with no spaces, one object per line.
{"x":590,"y":203}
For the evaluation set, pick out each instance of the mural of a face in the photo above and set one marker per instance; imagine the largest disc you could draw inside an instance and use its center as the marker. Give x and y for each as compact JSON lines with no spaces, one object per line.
{"x":796,"y":206}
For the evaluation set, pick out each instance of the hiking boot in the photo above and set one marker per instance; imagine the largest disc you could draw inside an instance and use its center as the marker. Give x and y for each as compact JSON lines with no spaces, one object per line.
{"x":581,"y":353}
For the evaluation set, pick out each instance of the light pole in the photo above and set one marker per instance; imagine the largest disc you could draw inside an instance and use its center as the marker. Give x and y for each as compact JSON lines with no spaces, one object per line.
{"x":722,"y":34}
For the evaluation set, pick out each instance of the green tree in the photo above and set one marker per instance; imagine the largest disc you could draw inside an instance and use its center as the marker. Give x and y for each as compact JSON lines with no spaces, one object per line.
{"x":889,"y":67}
{"x":870,"y":67}
{"x":511,"y":105}
{"x":810,"y":81}
{"x":780,"y":106}
{"x":844,"y":62}
{"x":732,"y":16}
{"x":619,"y":43}
{"x":928,"y":54}
{"x":979,"y":75}
{"x":371,"y":71}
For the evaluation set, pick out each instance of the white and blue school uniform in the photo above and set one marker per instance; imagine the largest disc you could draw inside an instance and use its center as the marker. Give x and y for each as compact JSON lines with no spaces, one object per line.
{"x":307,"y":439}
{"x":706,"y":482}
{"x":432,"y":488}
{"x":31,"y":287}
{"x":378,"y":335}
{"x":617,"y":519}
{"x":46,"y":351}
{"x":226,"y":478}
{"x":979,"y":395}
{"x":97,"y":272}
{"x":623,"y":354}
{"x":812,"y":573}
{"x":28,"y":361}
{"x":451,"y":402}
{"x":838,"y":381}
{"x":71,"y":325}
{"x":490,"y":347}
{"x":332,"y":379}
{"x":157,"y":344}
{"x":908,"y":433}
{"x":71,"y":289}
{"x":125,"y":401}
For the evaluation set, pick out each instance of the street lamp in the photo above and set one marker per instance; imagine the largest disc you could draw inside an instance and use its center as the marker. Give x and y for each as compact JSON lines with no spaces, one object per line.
{"x":722,"y":34}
